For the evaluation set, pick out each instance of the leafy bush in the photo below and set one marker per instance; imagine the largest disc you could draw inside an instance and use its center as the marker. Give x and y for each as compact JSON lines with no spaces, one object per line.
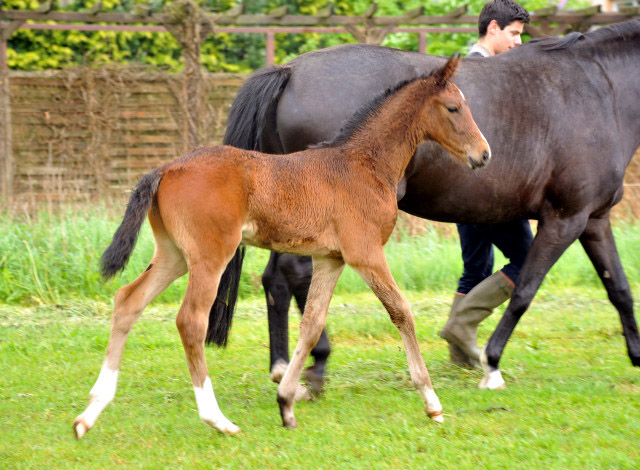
{"x":223,"y":52}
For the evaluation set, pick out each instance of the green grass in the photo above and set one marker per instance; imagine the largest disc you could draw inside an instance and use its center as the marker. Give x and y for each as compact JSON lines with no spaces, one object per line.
{"x":573,"y":399}
{"x":54,"y":258}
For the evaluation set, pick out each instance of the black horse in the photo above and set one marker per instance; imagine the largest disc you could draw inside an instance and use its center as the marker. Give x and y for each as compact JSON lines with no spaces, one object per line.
{"x":562,"y":116}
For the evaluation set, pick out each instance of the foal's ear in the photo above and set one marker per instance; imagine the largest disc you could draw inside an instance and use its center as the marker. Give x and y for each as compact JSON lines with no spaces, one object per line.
{"x":446,"y":73}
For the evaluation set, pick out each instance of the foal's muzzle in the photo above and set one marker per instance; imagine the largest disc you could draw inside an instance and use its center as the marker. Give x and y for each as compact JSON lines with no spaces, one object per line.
{"x":475,"y":163}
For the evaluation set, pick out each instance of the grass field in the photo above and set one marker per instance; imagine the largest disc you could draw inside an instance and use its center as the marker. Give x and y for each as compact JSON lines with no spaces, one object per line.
{"x":573,"y":399}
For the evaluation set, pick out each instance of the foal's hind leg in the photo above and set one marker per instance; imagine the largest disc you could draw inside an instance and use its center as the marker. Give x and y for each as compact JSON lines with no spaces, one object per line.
{"x":599,"y":244}
{"x":375,"y":272}
{"x":166,"y":266}
{"x":326,"y":272}
{"x":192,"y":321}
{"x":297,"y":271}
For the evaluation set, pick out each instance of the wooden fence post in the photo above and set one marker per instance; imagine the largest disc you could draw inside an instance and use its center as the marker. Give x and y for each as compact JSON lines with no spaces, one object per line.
{"x":6,"y":156}
{"x":185,"y":23}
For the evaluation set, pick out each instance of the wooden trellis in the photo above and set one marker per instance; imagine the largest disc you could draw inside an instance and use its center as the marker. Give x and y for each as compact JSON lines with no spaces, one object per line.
{"x":191,"y":25}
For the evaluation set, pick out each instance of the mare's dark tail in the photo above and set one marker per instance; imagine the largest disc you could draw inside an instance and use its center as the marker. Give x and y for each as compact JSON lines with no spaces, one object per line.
{"x":117,"y":254}
{"x":252,"y":110}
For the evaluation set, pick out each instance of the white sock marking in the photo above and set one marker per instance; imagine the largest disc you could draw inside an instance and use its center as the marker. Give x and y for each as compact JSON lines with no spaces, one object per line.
{"x":101,"y":394}
{"x":210,"y":411}
{"x":492,"y":379}
{"x":432,"y":402}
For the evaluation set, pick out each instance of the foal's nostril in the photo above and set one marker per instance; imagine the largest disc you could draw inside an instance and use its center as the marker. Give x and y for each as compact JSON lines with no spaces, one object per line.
{"x":485,"y":156}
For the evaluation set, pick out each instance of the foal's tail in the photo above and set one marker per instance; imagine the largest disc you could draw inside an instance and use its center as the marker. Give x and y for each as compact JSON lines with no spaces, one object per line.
{"x":252,"y":110}
{"x":117,"y":254}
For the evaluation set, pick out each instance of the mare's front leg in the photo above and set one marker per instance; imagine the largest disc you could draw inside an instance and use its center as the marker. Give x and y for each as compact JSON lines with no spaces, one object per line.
{"x":326,"y":272}
{"x":374,"y":270}
{"x":553,"y":238}
{"x":599,"y":244}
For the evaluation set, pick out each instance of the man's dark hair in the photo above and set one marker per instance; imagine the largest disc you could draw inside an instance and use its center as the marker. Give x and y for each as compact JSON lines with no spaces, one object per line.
{"x":504,"y":12}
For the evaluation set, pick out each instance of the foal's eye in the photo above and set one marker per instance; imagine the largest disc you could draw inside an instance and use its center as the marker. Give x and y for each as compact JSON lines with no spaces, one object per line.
{"x":452,"y":109}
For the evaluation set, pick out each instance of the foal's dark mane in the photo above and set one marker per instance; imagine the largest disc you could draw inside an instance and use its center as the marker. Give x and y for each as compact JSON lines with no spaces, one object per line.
{"x":362,"y":115}
{"x":614,"y":32}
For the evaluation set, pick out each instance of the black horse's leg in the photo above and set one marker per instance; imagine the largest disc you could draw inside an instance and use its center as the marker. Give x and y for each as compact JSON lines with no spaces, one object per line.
{"x":278,"y":296}
{"x":553,"y":238}
{"x":600,"y":246}
{"x":298,"y":270}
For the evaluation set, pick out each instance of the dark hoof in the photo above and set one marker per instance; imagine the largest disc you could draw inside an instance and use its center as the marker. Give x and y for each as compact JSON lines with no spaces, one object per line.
{"x":635,"y":361}
{"x":286,"y":413}
{"x":290,"y":423}
{"x":314,"y":381}
{"x":80,"y":428}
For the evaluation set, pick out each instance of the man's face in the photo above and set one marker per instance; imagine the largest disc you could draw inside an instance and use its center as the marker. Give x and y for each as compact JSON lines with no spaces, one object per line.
{"x":507,"y":38}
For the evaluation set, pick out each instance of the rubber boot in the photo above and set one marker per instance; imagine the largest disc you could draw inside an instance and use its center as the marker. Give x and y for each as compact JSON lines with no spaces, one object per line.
{"x":461,"y":330}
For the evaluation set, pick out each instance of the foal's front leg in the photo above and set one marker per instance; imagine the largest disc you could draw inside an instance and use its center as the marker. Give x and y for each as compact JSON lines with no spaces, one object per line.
{"x":375,"y":272}
{"x":326,"y":272}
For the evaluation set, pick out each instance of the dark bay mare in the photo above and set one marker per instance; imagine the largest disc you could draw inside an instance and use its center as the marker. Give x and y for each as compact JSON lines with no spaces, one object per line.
{"x":562,"y":116}
{"x":335,"y":202}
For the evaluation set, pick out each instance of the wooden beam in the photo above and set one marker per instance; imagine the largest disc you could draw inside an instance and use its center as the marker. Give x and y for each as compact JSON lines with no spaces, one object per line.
{"x":326,"y":12}
{"x":414,"y":13}
{"x":46,"y":7}
{"x":589,"y":11}
{"x":9,"y":29}
{"x":458,"y":12}
{"x":544,"y":12}
{"x":369,"y":12}
{"x":278,"y":12}
{"x":235,"y":11}
{"x":142,"y":10}
{"x":95,"y":9}
{"x":586,"y":16}
{"x":629,"y":10}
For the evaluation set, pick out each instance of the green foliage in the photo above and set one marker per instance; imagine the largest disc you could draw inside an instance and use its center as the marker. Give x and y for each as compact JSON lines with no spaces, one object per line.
{"x":40,"y":50}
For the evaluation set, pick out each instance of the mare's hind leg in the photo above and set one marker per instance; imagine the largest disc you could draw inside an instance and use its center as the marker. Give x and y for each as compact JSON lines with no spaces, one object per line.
{"x":375,"y":272}
{"x":192,"y":321}
{"x":326,"y":272}
{"x":597,"y":240}
{"x":278,"y":299}
{"x":553,"y":238}
{"x":166,"y":266}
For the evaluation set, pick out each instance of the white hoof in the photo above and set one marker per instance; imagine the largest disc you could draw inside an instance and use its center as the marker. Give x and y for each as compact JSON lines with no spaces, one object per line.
{"x":432,"y":407}
{"x":278,"y":370}
{"x":492,"y":381}
{"x":438,"y":417}
{"x":224,"y":426}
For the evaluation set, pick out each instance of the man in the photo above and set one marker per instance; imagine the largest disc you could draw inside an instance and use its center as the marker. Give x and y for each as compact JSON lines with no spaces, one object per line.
{"x":500,"y":25}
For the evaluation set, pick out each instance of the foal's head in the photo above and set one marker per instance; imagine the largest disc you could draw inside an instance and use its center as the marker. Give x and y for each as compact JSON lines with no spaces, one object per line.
{"x":450,"y":122}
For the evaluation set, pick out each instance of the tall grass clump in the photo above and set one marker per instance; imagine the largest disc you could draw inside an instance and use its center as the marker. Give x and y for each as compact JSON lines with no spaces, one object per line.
{"x":51,"y":258}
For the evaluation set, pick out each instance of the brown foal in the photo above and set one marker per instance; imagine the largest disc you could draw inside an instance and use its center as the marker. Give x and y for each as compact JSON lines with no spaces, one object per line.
{"x":336,"y":202}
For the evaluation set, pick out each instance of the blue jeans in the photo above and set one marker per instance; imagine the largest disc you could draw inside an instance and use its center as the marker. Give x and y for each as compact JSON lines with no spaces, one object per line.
{"x":476,"y":240}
